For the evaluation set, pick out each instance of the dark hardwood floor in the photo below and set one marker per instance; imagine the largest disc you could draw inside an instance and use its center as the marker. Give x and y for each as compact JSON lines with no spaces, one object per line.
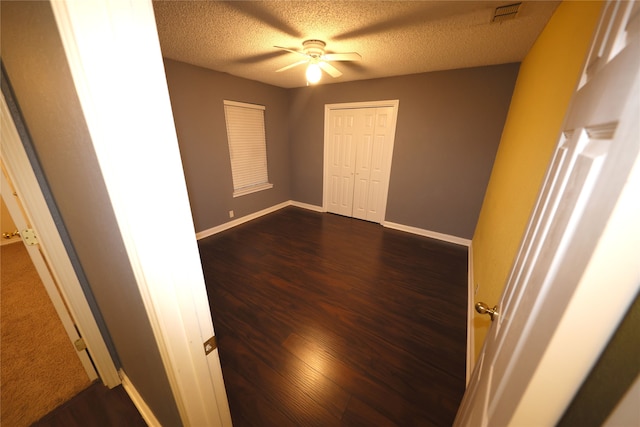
{"x":96,"y":406}
{"x":324,"y":320}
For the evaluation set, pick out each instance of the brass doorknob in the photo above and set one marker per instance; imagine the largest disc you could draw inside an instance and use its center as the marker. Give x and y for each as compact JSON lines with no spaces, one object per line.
{"x":483,"y":308}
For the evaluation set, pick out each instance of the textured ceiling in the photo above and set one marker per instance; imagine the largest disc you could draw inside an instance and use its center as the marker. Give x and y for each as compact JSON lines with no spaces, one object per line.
{"x":393,"y":37}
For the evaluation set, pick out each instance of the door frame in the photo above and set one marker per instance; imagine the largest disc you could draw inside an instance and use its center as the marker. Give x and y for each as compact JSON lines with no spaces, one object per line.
{"x":394,"y":104}
{"x":17,"y":213}
{"x":21,"y":175}
{"x":128,"y":114}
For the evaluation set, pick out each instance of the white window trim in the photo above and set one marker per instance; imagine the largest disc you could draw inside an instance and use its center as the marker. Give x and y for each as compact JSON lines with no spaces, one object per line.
{"x":252,"y":189}
{"x":241,"y":191}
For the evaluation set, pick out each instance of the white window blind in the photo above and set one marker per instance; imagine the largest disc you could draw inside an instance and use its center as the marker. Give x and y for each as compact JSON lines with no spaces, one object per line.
{"x":247,"y":147}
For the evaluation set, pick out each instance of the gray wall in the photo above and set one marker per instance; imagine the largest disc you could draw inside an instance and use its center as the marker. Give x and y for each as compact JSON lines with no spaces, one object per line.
{"x":35,"y":63}
{"x":448,"y":130}
{"x":197,"y":96}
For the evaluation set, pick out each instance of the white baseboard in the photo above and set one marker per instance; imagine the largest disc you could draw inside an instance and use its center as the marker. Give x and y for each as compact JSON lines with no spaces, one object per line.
{"x":307,"y":206}
{"x":227,"y":225}
{"x":470,"y":314}
{"x":426,"y":233}
{"x":406,"y":228}
{"x":138,"y":401}
{"x":247,"y":218}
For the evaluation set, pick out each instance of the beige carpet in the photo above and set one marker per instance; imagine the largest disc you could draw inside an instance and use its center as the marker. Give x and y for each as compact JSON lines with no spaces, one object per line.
{"x":39,"y":369}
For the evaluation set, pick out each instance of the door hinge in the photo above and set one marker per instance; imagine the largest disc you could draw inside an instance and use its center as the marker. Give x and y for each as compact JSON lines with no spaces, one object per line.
{"x":29,"y":237}
{"x":80,"y":344}
{"x":210,"y":345}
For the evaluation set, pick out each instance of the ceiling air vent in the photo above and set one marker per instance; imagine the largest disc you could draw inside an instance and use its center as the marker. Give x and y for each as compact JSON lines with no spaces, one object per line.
{"x":504,"y":13}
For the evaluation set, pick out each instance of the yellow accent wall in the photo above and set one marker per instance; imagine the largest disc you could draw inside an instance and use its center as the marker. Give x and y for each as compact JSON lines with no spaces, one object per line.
{"x":547,"y":78}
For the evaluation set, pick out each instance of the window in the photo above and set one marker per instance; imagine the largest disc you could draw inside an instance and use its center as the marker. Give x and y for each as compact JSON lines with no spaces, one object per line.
{"x":247,"y":147}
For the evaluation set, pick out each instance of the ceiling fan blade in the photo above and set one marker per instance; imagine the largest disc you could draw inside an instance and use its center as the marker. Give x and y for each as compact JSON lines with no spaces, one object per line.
{"x":291,"y":50}
{"x":295,"y":64}
{"x":330,"y":69}
{"x":349,"y":56}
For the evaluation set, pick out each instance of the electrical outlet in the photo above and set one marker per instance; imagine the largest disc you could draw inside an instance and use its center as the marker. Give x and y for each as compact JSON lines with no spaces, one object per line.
{"x":230,"y":214}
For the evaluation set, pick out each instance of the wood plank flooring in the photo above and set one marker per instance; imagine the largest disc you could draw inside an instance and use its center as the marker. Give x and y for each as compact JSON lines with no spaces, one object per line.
{"x":325,"y":320}
{"x":96,"y":406}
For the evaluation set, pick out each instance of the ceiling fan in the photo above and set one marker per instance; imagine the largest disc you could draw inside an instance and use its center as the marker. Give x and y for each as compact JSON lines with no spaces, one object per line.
{"x":317,"y":60}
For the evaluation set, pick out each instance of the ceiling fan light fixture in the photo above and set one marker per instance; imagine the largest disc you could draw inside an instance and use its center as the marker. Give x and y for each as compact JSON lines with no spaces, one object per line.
{"x":313,"y":73}
{"x":314,"y":48}
{"x":317,"y":61}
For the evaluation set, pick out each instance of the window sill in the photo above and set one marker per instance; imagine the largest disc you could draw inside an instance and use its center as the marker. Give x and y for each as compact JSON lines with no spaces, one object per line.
{"x":253,"y":189}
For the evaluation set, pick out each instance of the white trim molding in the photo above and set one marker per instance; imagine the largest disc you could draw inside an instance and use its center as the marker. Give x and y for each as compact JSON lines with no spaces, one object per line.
{"x":406,"y":228}
{"x":238,"y":221}
{"x":307,"y":206}
{"x":138,"y":401}
{"x":426,"y":233}
{"x":471,"y":352}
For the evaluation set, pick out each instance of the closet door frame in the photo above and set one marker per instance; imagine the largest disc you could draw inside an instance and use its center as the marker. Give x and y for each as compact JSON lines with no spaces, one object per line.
{"x":394,"y":104}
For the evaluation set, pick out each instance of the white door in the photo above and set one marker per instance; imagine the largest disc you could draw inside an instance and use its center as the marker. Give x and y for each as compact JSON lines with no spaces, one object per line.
{"x":358,"y":151}
{"x":366,"y":119}
{"x":577,"y":270}
{"x":342,"y":136}
{"x":372,"y":150}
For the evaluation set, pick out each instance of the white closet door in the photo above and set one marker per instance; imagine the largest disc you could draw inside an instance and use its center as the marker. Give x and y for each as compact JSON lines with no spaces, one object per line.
{"x":379,"y":134}
{"x":366,"y":119}
{"x":361,"y":145}
{"x":342,"y":125}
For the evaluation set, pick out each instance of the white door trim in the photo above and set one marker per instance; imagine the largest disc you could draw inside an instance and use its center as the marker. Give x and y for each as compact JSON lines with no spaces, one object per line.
{"x":21,"y":175}
{"x":394,"y":103}
{"x":115,"y":60}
